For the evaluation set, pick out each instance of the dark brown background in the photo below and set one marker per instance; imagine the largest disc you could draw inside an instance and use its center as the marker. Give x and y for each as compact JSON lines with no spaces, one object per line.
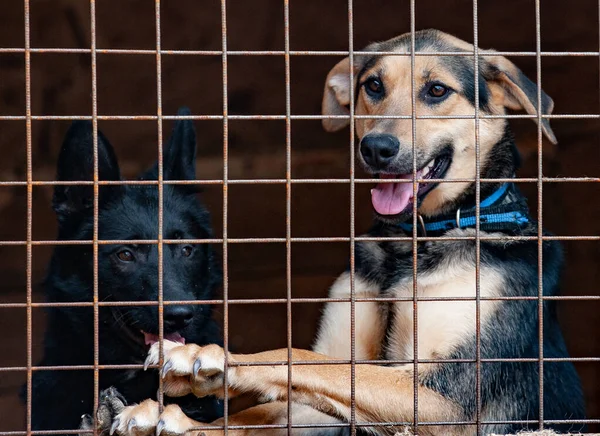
{"x":61,"y":85}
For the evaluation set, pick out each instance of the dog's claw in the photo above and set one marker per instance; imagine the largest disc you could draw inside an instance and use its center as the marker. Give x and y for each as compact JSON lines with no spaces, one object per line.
{"x":147,"y":362}
{"x":197,"y":367}
{"x":131,"y":425}
{"x":166,"y":368}
{"x":159,"y":427}
{"x":114,"y":426}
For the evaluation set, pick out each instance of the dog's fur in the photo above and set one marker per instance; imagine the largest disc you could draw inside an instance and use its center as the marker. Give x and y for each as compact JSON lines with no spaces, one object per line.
{"x":447,"y":391}
{"x":60,"y":397}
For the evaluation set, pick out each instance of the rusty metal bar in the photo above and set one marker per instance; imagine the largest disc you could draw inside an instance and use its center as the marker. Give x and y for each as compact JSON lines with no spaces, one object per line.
{"x":96,"y":212}
{"x":313,"y":363}
{"x":540,"y":302}
{"x":503,"y":239}
{"x":126,"y":51}
{"x":352,"y":210}
{"x":415,"y":227}
{"x":293,"y":181}
{"x":352,"y":222}
{"x":477,"y":223}
{"x":29,"y":254}
{"x":292,"y":117}
{"x":225,"y":209}
{"x":161,"y":205}
{"x":296,"y":300}
{"x":288,"y":207}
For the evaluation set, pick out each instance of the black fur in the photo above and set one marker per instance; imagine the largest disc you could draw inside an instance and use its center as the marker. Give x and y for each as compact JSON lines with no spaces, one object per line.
{"x":129,"y":212}
{"x":509,"y":390}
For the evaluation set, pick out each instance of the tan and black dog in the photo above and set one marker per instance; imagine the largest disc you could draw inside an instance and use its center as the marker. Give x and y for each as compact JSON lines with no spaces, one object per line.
{"x":445,"y":149}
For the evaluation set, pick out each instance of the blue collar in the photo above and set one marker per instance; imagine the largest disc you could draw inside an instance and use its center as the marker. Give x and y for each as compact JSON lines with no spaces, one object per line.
{"x":504,"y":210}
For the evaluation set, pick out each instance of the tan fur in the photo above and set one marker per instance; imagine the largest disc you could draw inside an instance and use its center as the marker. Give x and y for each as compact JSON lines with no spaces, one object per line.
{"x":369,"y":327}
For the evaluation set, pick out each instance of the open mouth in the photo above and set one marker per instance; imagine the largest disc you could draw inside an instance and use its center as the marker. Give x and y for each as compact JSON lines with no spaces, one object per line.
{"x":141,"y":337}
{"x":151,"y":338}
{"x":395,"y":198}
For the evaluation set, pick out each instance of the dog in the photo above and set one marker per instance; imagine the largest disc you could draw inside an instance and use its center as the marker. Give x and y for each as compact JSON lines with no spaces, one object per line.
{"x":126,"y":272}
{"x":452,"y":389}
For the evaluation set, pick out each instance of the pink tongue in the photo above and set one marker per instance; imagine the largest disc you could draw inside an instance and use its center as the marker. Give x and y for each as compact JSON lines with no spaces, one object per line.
{"x":392,"y":198}
{"x":151,"y":338}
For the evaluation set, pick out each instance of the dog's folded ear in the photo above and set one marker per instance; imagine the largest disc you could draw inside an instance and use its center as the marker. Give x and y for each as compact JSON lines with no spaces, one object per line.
{"x":179,"y":159}
{"x":336,"y":96}
{"x":76,"y":163}
{"x":515,"y":91}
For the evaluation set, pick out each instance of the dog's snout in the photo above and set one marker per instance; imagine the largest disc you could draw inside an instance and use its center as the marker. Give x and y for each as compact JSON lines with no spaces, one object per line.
{"x":379,"y":151}
{"x":177,"y":317}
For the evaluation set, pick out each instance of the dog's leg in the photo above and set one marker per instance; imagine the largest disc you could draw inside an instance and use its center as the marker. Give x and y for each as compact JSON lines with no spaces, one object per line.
{"x":383,"y":394}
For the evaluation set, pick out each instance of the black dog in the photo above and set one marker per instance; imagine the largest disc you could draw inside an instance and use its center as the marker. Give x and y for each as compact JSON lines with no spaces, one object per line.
{"x":126,"y":272}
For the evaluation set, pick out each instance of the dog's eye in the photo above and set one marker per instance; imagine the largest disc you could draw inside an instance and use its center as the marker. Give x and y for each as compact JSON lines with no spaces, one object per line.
{"x":374,"y":87}
{"x":187,"y":251}
{"x":437,"y":91}
{"x":125,"y":256}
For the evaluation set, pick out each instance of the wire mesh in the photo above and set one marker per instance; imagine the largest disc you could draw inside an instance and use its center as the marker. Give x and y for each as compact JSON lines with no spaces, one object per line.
{"x":289,"y":181}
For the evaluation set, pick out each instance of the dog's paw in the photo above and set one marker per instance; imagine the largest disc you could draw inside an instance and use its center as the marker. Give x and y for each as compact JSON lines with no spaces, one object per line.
{"x":173,"y":422}
{"x":137,"y":420}
{"x":110,"y":404}
{"x":144,"y":420}
{"x":190,"y":369}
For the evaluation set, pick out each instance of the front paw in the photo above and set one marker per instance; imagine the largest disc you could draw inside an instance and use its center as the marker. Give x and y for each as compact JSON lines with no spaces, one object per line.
{"x":137,"y":420}
{"x":144,"y":419}
{"x":111,"y":403}
{"x":190,"y":369}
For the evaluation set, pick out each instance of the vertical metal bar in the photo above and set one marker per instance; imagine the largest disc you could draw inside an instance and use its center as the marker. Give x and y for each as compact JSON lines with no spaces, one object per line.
{"x":29,"y":211}
{"x":477,"y":224}
{"x":225,"y":208}
{"x":415,"y":229}
{"x":160,"y":246}
{"x":352,"y":226}
{"x":288,"y":204}
{"x":538,"y":59}
{"x":96,"y":203}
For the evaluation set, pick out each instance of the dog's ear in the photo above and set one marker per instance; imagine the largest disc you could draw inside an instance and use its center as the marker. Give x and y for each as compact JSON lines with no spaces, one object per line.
{"x":515,"y":91}
{"x":76,"y":163}
{"x":179,"y":159}
{"x":336,"y":96}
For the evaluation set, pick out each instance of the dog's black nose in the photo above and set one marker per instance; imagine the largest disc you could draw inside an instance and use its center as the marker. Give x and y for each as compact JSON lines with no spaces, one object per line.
{"x":379,"y":151}
{"x":177,"y":317}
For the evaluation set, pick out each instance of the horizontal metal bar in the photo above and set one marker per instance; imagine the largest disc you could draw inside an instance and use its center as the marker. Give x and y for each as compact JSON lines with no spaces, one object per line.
{"x":310,"y":363}
{"x":299,"y":300}
{"x":330,"y":425}
{"x":11,"y":183}
{"x":295,"y":117}
{"x":132,"y":51}
{"x":306,"y":240}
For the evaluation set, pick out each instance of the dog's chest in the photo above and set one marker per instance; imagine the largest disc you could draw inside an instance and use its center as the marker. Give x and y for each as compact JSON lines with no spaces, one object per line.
{"x":446,"y":311}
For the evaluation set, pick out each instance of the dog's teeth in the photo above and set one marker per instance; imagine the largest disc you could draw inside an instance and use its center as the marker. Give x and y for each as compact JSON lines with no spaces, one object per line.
{"x":428,"y":168}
